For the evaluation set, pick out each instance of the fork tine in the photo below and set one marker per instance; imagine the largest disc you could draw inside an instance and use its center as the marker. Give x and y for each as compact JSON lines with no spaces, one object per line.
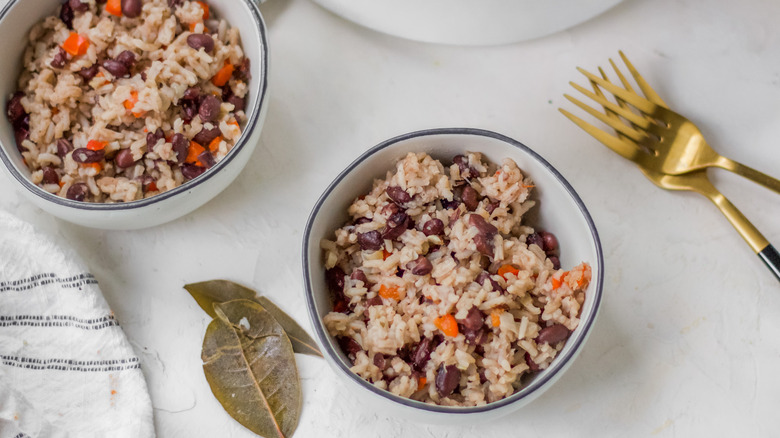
{"x":643,"y":85}
{"x":622,"y":112}
{"x":624,"y":148}
{"x":613,"y":122}
{"x":633,"y":99}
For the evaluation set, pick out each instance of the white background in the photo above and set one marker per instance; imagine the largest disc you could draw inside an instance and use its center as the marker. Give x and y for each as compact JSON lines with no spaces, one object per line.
{"x":687,"y":340}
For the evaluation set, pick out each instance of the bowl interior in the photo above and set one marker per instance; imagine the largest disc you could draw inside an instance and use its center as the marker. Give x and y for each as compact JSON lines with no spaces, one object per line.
{"x":558,"y":210}
{"x":18,"y":17}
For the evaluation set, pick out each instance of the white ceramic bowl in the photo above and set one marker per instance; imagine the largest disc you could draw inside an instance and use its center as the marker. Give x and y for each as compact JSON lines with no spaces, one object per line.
{"x":468,"y":22}
{"x":560,"y":211}
{"x":16,"y":19}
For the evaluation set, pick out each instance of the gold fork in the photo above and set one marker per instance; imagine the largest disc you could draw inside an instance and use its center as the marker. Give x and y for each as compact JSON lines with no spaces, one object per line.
{"x":637,"y":140}
{"x":675,"y":147}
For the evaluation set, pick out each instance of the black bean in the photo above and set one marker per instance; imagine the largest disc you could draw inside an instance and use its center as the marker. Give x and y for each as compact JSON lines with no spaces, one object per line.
{"x":447,"y":379}
{"x":361,"y":220}
{"x":115,"y":67}
{"x":180,"y":146}
{"x":449,"y":205}
{"x":370,"y":241}
{"x":422,"y":353}
{"x":553,"y":334}
{"x":534,"y":239}
{"x":84,"y":155}
{"x":89,"y":72}
{"x":359,"y":275}
{"x":420,"y":266}
{"x":63,"y":147}
{"x":77,"y":192}
{"x":207,"y":159}
{"x":380,"y":361}
{"x":77,"y":6}
{"x":470,"y":198}
{"x":131,"y":8}
{"x":192,"y":93}
{"x":349,"y":346}
{"x":433,"y":227}
{"x":124,"y":159}
{"x":50,"y":175}
{"x":533,"y":366}
{"x":14,"y":108}
{"x":127,"y":58}
{"x":486,"y":276}
{"x":66,"y":15}
{"x":482,"y":225}
{"x":466,"y":171}
{"x":556,"y":262}
{"x":484,"y":244}
{"x":238,"y":102}
{"x":398,"y":194}
{"x":152,"y":138}
{"x":492,"y":206}
{"x":60,"y":58}
{"x":205,"y":136}
{"x":549,"y":242}
{"x":334,"y":277}
{"x":209,"y":109}
{"x":191,"y":171}
{"x":375,"y":301}
{"x":473,"y":320}
{"x":390,"y":209}
{"x":201,"y":41}
{"x":475,"y":337}
{"x":188,"y":109}
{"x":392,"y":233}
{"x":242,"y":71}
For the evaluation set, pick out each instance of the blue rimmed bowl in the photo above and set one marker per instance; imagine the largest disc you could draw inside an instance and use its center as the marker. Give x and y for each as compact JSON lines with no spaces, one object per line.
{"x":16,"y":20}
{"x":559,"y":209}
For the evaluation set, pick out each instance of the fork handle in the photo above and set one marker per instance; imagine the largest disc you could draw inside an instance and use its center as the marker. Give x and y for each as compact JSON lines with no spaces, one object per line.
{"x":749,"y":173}
{"x":747,"y":230}
{"x":771,"y":258}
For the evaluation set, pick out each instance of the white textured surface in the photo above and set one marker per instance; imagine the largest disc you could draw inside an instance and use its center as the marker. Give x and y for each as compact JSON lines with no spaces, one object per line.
{"x":686,"y":343}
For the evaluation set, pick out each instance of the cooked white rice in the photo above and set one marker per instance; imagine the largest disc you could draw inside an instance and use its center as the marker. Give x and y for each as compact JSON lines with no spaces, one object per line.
{"x":118,"y":113}
{"x":386,"y":315}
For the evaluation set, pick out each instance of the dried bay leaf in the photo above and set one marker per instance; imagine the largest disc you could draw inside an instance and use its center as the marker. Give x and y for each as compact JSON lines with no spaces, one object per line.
{"x":206,"y":293}
{"x":250,"y":366}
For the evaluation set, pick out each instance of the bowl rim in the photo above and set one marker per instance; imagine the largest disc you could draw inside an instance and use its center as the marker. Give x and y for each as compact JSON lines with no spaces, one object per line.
{"x":251,"y":125}
{"x":558,"y":365}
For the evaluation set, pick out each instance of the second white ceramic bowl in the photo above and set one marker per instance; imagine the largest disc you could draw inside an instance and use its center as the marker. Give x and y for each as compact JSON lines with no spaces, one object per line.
{"x":16,"y":20}
{"x":559,"y":210}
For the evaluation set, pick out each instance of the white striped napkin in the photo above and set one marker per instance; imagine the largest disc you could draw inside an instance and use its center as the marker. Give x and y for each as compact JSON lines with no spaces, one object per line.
{"x":66,"y":368}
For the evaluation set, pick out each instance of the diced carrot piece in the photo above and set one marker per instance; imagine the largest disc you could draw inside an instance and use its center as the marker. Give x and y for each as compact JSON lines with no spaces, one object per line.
{"x":61,"y":183}
{"x":223,"y":75}
{"x":114,"y":7}
{"x":558,"y":281}
{"x":447,"y":325}
{"x":97,"y":166}
{"x":495,"y":319}
{"x":421,"y":381}
{"x":151,"y":187}
{"x":96,"y":145}
{"x":194,"y":151}
{"x":130,"y":103}
{"x":507,"y":269}
{"x":389,"y":292}
{"x":206,"y":13}
{"x":385,"y":254}
{"x":214,"y":145}
{"x":75,"y":44}
{"x":192,"y":27}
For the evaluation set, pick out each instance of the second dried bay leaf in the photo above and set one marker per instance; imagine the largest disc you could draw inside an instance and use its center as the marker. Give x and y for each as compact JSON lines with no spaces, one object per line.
{"x":249,"y":364}
{"x":207,"y":293}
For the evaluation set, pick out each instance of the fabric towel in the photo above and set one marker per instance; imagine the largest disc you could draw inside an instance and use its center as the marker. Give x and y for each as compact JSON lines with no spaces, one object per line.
{"x":66,"y":367}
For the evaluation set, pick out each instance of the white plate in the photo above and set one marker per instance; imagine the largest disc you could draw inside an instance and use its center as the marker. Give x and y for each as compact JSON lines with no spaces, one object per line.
{"x":468,"y":22}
